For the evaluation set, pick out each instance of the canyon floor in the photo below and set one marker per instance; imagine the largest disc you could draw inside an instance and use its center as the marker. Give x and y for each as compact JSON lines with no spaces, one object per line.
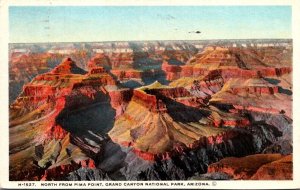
{"x":151,"y":111}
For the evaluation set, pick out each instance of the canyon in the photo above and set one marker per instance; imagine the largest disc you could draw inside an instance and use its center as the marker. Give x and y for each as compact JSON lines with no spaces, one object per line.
{"x":169,"y":110}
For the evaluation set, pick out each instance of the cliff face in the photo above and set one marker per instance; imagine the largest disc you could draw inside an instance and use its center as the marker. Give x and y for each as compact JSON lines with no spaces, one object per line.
{"x":233,"y":63}
{"x":240,"y":93}
{"x":172,"y":125}
{"x":29,"y":63}
{"x":126,"y":74}
{"x":119,"y":100}
{"x":99,"y":60}
{"x":36,"y":115}
{"x":23,"y":67}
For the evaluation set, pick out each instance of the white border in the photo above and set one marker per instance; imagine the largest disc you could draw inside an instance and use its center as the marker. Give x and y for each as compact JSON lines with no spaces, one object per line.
{"x":4,"y":182}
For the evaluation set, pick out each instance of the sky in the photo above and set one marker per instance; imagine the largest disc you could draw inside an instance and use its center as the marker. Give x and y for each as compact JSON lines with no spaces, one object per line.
{"x":28,"y":24}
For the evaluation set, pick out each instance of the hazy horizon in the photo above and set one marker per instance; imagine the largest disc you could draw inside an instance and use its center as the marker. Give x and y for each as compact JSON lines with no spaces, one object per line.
{"x":59,"y":24}
{"x":149,"y":40}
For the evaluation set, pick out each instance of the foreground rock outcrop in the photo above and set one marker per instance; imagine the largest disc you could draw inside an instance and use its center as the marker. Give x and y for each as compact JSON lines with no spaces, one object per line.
{"x":254,"y":167}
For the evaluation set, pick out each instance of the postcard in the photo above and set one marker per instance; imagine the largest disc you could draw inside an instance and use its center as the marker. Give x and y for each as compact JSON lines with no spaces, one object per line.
{"x":148,"y":95}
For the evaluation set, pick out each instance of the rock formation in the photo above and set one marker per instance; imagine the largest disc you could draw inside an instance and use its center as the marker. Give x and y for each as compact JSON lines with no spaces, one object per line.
{"x":153,"y":111}
{"x":258,"y":166}
{"x":47,"y":144}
